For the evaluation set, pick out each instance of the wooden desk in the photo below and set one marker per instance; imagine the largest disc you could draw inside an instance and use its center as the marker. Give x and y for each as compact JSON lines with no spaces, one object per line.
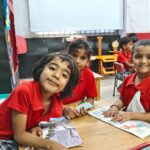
{"x":98,"y":79}
{"x":98,"y":135}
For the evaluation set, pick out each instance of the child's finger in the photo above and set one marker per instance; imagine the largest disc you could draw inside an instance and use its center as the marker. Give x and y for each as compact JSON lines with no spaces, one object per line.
{"x":77,"y":113}
{"x":83,"y":111}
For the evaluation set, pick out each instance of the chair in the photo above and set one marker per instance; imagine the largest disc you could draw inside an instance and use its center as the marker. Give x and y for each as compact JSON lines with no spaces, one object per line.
{"x":120,"y":74}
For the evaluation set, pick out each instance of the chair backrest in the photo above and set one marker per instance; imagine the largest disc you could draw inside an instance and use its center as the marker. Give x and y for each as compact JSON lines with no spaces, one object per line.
{"x":119,"y":70}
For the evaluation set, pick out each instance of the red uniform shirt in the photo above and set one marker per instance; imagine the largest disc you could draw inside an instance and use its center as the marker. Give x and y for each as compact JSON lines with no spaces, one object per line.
{"x":124,"y":57}
{"x":128,"y":89}
{"x":26,"y":99}
{"x":85,"y":88}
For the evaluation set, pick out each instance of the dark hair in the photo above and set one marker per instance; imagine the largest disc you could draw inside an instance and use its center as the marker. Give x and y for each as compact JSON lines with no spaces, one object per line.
{"x":133,"y":37}
{"x":74,"y":76}
{"x":124,"y":41}
{"x":140,"y":43}
{"x":80,"y":44}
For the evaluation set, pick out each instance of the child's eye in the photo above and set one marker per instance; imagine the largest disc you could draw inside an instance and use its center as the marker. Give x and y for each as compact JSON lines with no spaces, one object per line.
{"x":148,"y":57}
{"x":51,"y":68}
{"x":74,"y":56}
{"x":65,"y":75}
{"x":138,"y":56}
{"x":83,"y":58}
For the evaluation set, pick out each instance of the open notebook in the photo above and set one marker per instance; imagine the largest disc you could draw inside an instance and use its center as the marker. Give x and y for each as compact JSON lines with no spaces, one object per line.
{"x":62,"y":131}
{"x":139,"y":128}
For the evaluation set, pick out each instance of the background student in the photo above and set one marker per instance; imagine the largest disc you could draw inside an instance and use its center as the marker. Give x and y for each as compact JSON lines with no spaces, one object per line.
{"x":86,"y":89}
{"x":124,"y":56}
{"x":55,"y":76}
{"x":135,"y":91}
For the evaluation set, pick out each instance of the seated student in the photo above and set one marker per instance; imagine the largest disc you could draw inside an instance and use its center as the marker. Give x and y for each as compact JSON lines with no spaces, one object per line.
{"x":135,"y":91}
{"x":86,"y":89}
{"x":55,"y":75}
{"x":125,"y":54}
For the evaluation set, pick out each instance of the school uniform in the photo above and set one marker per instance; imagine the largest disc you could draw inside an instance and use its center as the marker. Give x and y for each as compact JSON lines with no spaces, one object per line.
{"x":128,"y":91}
{"x":85,"y":88}
{"x":124,"y":57}
{"x":26,"y":99}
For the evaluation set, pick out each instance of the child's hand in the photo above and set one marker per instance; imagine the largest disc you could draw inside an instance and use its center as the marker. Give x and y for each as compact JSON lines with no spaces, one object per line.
{"x":71,"y":112}
{"x":111,"y":112}
{"x":36,"y":131}
{"x":83,"y":111}
{"x":122,"y":116}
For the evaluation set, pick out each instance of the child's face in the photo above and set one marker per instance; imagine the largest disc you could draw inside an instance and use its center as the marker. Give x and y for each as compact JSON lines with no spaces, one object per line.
{"x":141,"y":59}
{"x":55,"y":76}
{"x":81,"y":58}
{"x":128,"y":47}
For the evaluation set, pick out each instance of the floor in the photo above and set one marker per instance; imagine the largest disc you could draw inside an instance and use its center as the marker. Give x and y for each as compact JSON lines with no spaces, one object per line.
{"x":107,"y":85}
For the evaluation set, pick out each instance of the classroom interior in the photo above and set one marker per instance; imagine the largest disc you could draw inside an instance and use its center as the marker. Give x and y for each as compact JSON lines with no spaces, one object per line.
{"x":24,"y":40}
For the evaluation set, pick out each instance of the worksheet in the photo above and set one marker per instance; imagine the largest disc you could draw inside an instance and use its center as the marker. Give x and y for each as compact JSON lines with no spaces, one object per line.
{"x":139,"y":128}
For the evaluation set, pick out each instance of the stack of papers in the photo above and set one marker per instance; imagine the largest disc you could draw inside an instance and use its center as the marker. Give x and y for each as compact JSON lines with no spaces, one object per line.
{"x":63,"y":132}
{"x":139,"y":128}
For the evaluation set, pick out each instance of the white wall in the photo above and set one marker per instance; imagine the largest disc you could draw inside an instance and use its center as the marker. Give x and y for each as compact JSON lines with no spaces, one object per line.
{"x":48,"y":15}
{"x":21,"y":16}
{"x":137,"y":16}
{"x":63,"y":15}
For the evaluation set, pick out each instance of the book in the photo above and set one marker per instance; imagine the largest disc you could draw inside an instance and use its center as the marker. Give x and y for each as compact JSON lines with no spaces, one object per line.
{"x":62,"y":131}
{"x":138,"y":128}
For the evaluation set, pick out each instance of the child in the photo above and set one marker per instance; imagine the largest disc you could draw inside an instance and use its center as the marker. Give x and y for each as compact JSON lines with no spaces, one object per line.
{"x":55,"y":75}
{"x":124,"y":56}
{"x":86,"y":88}
{"x":135,"y":91}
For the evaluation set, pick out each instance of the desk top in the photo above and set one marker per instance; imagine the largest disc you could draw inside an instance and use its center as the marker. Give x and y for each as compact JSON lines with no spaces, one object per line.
{"x":98,"y":135}
{"x":96,"y":75}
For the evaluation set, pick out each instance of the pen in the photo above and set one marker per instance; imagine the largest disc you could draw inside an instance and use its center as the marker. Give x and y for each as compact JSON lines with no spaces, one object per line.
{"x":123,"y":108}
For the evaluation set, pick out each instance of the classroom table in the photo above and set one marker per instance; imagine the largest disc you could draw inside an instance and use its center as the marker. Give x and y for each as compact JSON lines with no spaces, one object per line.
{"x":98,"y":135}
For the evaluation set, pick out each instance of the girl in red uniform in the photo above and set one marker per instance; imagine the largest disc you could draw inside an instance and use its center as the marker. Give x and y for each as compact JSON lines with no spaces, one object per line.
{"x":135,"y":90}
{"x":55,"y":76}
{"x":86,"y":88}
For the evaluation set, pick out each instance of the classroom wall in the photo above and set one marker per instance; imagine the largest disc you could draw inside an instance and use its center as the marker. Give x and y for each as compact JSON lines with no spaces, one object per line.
{"x":137,"y":18}
{"x":94,"y":17}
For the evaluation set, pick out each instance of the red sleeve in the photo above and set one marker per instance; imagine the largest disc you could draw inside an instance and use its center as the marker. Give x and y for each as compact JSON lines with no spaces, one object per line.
{"x":91,"y":89}
{"x":20,"y":99}
{"x":123,"y":86}
{"x":122,"y":59}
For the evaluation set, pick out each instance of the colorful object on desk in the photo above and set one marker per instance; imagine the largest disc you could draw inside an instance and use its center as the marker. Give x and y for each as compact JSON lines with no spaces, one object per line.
{"x":143,"y":146}
{"x":84,"y":105}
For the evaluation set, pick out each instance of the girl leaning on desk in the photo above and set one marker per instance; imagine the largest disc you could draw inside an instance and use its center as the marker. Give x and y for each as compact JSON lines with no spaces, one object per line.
{"x":86,"y":88}
{"x":55,"y":75}
{"x":135,"y":90}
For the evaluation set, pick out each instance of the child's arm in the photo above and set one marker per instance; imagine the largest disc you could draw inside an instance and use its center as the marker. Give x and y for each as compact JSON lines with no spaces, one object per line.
{"x":24,"y":137}
{"x":129,"y":65}
{"x":125,"y":116}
